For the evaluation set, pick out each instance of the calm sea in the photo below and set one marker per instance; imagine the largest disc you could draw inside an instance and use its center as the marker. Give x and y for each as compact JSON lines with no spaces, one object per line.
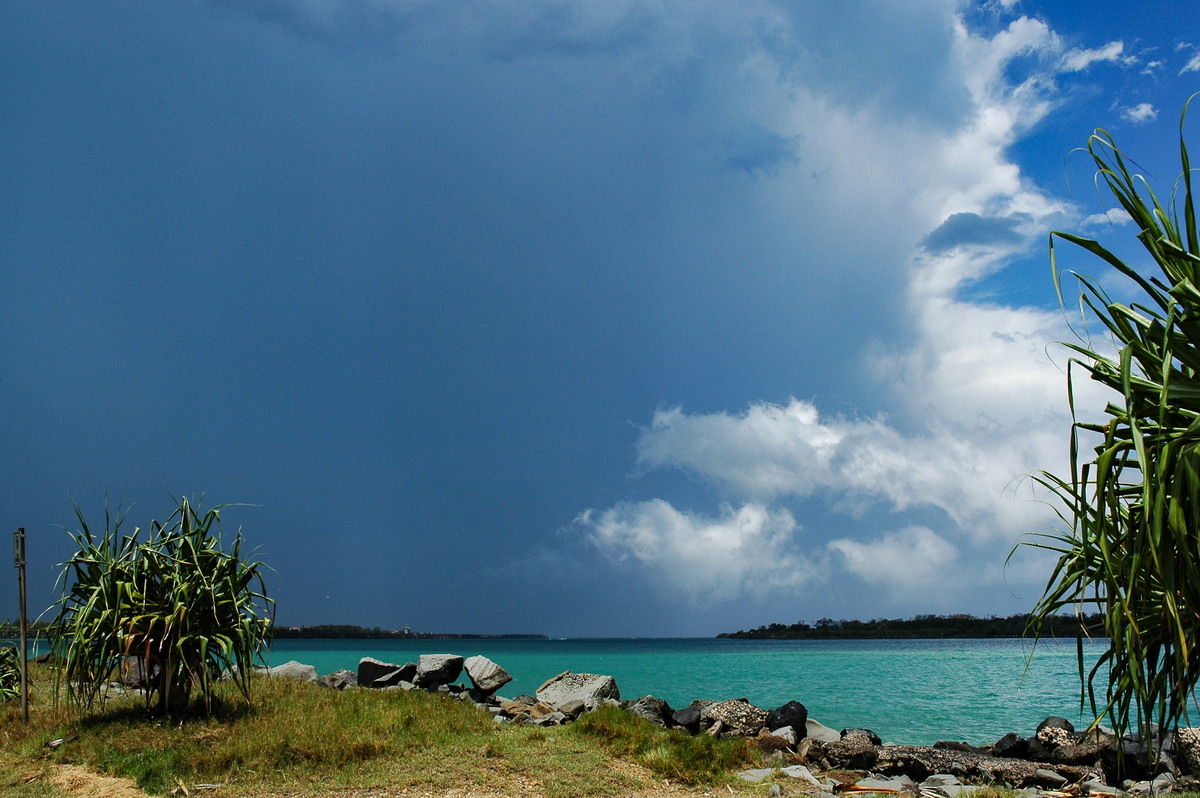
{"x":907,"y":691}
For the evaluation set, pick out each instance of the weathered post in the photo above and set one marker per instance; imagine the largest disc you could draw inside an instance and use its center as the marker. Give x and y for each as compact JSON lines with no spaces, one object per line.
{"x":23,"y":656}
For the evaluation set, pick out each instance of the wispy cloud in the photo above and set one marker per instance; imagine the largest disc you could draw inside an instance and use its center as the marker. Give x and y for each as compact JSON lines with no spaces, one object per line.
{"x":1080,"y":59}
{"x":1140,"y":113}
{"x":1193,"y":64}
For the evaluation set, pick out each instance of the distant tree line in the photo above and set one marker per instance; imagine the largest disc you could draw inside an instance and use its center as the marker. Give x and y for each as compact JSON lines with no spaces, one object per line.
{"x":923,"y":626}
{"x":350,"y":632}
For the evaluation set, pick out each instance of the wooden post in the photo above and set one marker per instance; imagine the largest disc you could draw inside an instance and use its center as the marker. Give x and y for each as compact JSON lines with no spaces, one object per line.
{"x":19,"y":553}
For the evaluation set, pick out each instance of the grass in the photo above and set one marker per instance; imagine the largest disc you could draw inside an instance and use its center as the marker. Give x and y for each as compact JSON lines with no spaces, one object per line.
{"x":300,"y":739}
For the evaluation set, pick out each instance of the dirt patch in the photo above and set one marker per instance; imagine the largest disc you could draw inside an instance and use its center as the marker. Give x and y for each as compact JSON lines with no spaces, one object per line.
{"x":79,"y":781}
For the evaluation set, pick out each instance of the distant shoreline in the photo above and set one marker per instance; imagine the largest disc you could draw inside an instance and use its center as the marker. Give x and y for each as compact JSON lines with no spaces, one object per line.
{"x":925,"y":627}
{"x":350,"y":632}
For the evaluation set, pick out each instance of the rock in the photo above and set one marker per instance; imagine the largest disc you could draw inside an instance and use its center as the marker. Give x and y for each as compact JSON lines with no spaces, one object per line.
{"x":853,"y":752}
{"x":339,"y":680}
{"x":653,"y":709}
{"x":870,"y":735}
{"x":1049,"y":778}
{"x":1101,"y":790}
{"x":689,"y":716}
{"x":554,"y":718}
{"x":572,"y":709}
{"x":133,"y":672}
{"x":739,"y":717}
{"x":1011,"y":745}
{"x":755,"y":775}
{"x":803,"y":773}
{"x":920,"y":762}
{"x":893,"y":785}
{"x":487,"y":676}
{"x":1056,"y":722}
{"x":590,"y":688}
{"x":541,"y":709}
{"x":295,"y":670}
{"x":955,"y":745}
{"x":1187,"y":743}
{"x":793,"y":714}
{"x":819,"y":731}
{"x":434,"y":670}
{"x":373,"y":673}
{"x":787,"y":734}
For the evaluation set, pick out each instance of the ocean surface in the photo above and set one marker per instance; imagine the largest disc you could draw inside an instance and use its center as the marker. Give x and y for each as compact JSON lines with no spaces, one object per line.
{"x":906,"y":691}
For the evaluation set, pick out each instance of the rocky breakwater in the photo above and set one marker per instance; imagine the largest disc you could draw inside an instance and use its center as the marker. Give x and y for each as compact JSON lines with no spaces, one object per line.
{"x":1056,"y":760}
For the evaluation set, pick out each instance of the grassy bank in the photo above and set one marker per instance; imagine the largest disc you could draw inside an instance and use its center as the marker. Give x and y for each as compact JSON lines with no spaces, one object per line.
{"x":299,"y":739}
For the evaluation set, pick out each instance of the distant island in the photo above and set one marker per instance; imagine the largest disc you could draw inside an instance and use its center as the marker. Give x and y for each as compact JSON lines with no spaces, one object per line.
{"x":923,"y":626}
{"x":348,"y":632}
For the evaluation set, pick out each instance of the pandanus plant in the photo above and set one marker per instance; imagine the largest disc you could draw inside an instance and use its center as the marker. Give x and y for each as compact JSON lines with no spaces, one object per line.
{"x":1130,"y":542}
{"x":183,"y":606}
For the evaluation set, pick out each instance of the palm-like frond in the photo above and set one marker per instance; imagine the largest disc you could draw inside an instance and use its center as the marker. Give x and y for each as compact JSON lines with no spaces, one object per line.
{"x":1131,"y":505}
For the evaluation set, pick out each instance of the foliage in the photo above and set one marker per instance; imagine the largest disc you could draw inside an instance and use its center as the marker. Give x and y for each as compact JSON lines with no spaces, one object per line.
{"x":10,"y":673}
{"x":920,"y":627}
{"x":300,"y":738}
{"x":1131,"y":507}
{"x":673,"y":754}
{"x":178,"y":601}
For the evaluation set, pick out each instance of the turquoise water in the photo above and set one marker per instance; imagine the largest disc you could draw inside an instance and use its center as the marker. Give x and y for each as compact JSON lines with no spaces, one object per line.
{"x":907,"y":691}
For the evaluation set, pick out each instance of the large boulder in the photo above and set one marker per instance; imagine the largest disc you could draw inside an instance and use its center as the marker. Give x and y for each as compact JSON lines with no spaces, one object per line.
{"x":590,"y":688}
{"x":295,"y":670}
{"x":339,"y":680}
{"x":653,"y":709}
{"x":819,"y":731}
{"x":689,"y":716}
{"x":738,"y":717}
{"x":434,"y":670}
{"x":487,"y":676}
{"x":1187,"y":743}
{"x":374,"y":673}
{"x":793,"y":714}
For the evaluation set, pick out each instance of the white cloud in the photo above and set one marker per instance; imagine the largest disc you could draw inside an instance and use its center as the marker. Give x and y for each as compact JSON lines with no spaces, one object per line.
{"x":913,"y":559}
{"x":747,"y":550}
{"x":1078,"y":60}
{"x":975,"y":400}
{"x":1140,"y":113}
{"x":1110,"y":217}
{"x":1193,"y":64}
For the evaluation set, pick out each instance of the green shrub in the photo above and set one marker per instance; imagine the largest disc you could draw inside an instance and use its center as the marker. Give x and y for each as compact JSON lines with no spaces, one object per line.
{"x":10,"y":673}
{"x":178,"y":601}
{"x":1130,"y":546}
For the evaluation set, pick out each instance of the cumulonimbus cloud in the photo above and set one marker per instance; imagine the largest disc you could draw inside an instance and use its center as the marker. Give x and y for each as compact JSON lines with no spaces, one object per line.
{"x":976,"y":400}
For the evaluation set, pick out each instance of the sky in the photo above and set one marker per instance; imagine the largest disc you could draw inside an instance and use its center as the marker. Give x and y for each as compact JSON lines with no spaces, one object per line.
{"x":568,"y":317}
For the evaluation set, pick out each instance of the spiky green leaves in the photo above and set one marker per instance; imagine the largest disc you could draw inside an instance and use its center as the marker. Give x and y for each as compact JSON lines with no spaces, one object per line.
{"x":186,"y":608}
{"x":1131,"y":505}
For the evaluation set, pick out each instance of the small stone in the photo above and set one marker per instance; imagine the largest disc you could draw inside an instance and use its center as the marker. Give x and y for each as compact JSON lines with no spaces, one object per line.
{"x":1049,"y":778}
{"x":755,"y":775}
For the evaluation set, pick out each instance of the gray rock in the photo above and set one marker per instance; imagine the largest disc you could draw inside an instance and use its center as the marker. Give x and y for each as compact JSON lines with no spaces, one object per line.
{"x":434,"y":670}
{"x":787,"y":733}
{"x":487,"y":676}
{"x":739,"y":717}
{"x":883,"y":785}
{"x":819,"y":731}
{"x":1056,"y":722}
{"x":295,"y":670}
{"x":689,"y":716}
{"x":590,"y":688}
{"x":1101,"y":790}
{"x":653,"y":709}
{"x":801,"y":772}
{"x":554,"y":718}
{"x":339,"y":680}
{"x":755,"y":775}
{"x":1049,"y":778}
{"x":374,"y":673}
{"x":572,"y":709}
